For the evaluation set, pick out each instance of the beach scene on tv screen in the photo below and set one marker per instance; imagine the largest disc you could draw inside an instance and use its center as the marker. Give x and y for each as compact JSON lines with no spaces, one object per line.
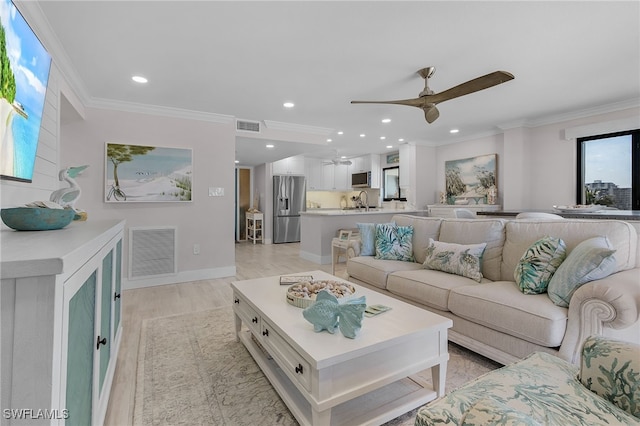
{"x":24,"y":73}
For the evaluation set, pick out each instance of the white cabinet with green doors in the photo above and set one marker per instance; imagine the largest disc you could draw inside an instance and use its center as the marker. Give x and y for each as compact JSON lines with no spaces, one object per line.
{"x":61,"y":307}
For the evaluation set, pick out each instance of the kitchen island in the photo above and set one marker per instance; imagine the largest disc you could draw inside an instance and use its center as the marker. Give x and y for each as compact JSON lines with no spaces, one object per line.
{"x":319,"y":226}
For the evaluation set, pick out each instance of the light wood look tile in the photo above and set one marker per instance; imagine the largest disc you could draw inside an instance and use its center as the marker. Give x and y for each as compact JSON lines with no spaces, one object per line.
{"x":252,"y":261}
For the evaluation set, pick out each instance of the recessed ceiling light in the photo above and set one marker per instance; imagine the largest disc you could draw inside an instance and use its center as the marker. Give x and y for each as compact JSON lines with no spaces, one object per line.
{"x":386,"y":120}
{"x":288,"y":104}
{"x":237,"y":161}
{"x":329,"y":140}
{"x":139,"y":79}
{"x":362,"y":135}
{"x":383,"y":137}
{"x":269,"y":146}
{"x":343,"y":157}
{"x":389,"y":146}
{"x":341,"y":132}
{"x":454,"y":131}
{"x":400,"y":140}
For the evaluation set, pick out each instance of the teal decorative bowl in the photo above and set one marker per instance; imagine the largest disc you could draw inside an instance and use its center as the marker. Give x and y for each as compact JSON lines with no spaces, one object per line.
{"x":36,"y":218}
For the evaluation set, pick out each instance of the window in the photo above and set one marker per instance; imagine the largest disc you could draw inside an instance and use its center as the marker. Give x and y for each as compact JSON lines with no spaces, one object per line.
{"x":609,"y":170}
{"x":391,"y":184}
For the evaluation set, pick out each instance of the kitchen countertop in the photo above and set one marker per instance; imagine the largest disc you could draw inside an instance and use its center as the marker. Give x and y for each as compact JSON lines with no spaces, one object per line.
{"x":340,"y":212}
{"x":601,"y":214}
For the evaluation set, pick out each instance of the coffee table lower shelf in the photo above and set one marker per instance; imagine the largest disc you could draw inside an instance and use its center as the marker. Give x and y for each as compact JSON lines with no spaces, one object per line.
{"x":373,"y":408}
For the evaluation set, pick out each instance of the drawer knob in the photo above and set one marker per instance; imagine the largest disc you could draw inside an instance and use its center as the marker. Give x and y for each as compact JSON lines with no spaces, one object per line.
{"x":100,"y":342}
{"x":265,"y":332}
{"x":255,"y":320}
{"x":236,"y":301}
{"x":299,"y":369}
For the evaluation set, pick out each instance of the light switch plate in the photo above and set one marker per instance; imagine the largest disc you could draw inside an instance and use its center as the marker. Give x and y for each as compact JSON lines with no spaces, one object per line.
{"x":216,"y":191}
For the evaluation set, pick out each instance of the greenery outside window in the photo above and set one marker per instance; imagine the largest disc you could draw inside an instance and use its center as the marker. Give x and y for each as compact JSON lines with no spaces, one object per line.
{"x":391,"y":184}
{"x":609,"y":170}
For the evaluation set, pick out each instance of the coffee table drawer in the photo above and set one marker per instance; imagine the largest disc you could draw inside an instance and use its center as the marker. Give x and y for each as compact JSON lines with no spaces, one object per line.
{"x":287,"y":358}
{"x":248,"y":315}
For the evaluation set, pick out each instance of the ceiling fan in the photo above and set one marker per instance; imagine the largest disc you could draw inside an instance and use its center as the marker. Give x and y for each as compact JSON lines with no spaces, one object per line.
{"x":337,"y":161}
{"x":427,"y":99}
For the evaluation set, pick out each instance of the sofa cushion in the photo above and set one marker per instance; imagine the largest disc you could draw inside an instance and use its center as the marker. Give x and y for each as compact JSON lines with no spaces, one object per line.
{"x":394,"y":242}
{"x":368,"y":238}
{"x":492,"y":412}
{"x":592,"y":259}
{"x":458,"y":259}
{"x":503,"y":307}
{"x":521,"y":234}
{"x":490,"y":231}
{"x":538,"y":264}
{"x":430,"y":288}
{"x":423,"y":229}
{"x":375,"y":271}
{"x":611,"y":369}
{"x":541,"y":386}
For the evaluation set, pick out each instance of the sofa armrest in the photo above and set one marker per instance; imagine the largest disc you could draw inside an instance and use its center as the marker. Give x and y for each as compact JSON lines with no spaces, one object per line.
{"x":612,"y":302}
{"x":611,"y":369}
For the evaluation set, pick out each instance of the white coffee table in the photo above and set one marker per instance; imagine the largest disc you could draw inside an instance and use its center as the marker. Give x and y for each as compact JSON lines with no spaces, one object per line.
{"x":330,"y":379}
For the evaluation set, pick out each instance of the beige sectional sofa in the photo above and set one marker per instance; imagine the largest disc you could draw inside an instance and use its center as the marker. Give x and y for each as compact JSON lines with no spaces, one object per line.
{"x":494,"y":317}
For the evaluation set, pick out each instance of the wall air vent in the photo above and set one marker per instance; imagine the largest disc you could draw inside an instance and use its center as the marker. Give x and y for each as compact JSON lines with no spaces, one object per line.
{"x":248,"y":126}
{"x":152,"y":252}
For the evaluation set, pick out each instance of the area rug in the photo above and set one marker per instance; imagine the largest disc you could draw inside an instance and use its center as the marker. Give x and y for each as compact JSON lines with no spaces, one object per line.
{"x":191,"y":371}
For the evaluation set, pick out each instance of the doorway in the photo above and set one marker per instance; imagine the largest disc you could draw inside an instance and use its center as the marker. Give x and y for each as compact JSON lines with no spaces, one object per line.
{"x":243,"y":202}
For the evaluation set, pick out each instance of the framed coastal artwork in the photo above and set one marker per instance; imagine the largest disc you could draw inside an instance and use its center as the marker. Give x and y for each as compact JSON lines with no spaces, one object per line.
{"x":471,"y":180}
{"x":140,"y":173}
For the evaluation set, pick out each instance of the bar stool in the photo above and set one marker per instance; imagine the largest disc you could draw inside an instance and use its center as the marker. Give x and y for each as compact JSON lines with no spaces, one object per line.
{"x":346,"y":245}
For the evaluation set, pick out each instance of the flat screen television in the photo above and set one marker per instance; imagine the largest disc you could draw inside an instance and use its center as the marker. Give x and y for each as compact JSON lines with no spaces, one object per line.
{"x":24,"y":75}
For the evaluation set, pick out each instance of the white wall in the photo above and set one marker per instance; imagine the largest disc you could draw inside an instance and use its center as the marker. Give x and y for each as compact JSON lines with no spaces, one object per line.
{"x":207,"y":221}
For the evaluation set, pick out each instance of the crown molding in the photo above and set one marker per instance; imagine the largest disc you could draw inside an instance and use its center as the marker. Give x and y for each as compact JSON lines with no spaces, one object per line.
{"x":587,"y":112}
{"x":301,"y":128}
{"x":160,"y":111}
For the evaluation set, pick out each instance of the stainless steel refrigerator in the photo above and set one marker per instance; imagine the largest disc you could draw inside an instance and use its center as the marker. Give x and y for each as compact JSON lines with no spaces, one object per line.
{"x":289,"y":199}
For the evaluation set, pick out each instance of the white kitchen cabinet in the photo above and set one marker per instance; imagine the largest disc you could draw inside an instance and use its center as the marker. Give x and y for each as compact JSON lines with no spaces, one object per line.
{"x":61,"y":305}
{"x":341,"y":177}
{"x":289,"y":166}
{"x":328,"y":183}
{"x":313,"y":173}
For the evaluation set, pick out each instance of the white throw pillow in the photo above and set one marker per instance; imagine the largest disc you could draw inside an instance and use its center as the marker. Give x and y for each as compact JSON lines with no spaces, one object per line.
{"x":592,"y":259}
{"x":456,"y":259}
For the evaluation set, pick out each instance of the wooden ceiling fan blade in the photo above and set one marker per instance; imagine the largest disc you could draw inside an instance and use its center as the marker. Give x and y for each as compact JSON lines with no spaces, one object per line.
{"x":471,"y":86}
{"x":431,"y":113}
{"x":417,"y":102}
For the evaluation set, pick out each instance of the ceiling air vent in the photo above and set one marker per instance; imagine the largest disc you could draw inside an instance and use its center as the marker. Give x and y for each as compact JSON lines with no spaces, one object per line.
{"x":248,"y":126}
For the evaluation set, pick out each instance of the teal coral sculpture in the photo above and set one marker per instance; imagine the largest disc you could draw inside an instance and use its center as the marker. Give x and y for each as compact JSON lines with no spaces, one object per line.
{"x":328,"y":314}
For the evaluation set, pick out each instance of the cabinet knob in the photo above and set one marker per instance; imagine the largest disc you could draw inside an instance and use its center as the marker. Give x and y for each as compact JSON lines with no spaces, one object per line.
{"x":299,"y":369}
{"x":100,"y":342}
{"x":236,"y":301}
{"x":255,"y":320}
{"x":265,"y":332}
{"x":116,"y":296}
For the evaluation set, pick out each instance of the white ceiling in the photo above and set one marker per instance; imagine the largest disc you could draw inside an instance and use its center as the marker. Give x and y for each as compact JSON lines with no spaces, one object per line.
{"x":244,"y":59}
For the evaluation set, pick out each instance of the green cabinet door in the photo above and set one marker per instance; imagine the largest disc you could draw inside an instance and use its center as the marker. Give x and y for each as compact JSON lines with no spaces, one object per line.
{"x":118,"y":291}
{"x":81,"y":347}
{"x":104,"y":345}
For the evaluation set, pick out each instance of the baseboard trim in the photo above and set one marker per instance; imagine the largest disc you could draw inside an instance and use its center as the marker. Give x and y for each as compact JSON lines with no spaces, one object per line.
{"x":180,"y":277}
{"x":322,"y":260}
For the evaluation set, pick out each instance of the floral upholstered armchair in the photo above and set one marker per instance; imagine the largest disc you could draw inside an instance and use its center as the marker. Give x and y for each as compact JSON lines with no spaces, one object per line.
{"x":545,"y":390}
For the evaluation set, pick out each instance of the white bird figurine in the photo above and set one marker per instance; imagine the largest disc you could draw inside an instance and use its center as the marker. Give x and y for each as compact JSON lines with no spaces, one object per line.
{"x":67,"y":197}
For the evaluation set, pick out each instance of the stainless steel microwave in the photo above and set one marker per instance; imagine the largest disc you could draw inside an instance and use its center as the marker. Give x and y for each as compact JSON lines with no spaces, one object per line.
{"x":361,"y":180}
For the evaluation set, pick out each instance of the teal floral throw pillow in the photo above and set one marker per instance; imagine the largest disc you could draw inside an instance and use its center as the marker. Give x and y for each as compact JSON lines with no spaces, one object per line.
{"x":394,"y":242}
{"x":538,"y":264}
{"x":592,"y":259}
{"x":456,"y":259}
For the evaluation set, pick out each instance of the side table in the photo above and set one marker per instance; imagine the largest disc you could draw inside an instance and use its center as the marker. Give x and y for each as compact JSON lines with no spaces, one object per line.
{"x":254,"y":226}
